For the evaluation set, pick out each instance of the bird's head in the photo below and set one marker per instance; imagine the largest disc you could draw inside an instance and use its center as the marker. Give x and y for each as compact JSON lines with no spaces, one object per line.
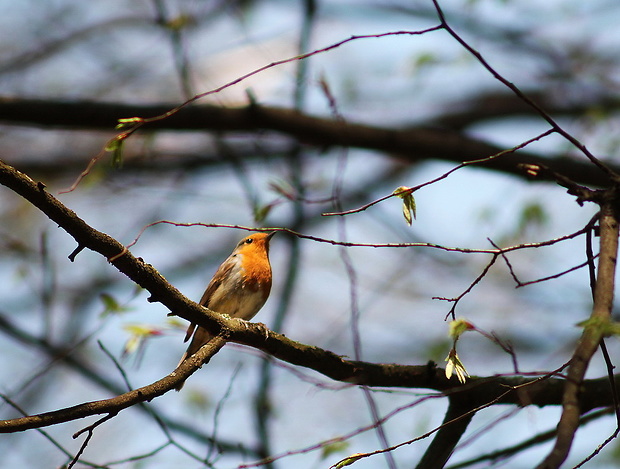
{"x":255,"y":242}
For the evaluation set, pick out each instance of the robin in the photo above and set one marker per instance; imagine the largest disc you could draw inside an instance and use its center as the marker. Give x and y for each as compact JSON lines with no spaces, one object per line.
{"x":239,"y":287}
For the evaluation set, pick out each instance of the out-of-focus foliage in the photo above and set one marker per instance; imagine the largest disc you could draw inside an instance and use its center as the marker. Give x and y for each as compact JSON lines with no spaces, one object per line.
{"x":154,"y":52}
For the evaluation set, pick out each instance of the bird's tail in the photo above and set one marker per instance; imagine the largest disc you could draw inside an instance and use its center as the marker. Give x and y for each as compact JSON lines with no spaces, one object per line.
{"x":201,"y":336}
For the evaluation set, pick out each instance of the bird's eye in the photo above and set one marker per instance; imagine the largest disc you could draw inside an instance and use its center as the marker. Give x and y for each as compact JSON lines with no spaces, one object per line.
{"x":249,"y":240}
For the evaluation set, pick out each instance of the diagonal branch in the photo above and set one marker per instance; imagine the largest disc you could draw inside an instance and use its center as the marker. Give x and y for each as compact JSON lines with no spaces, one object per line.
{"x":81,"y":367}
{"x":593,"y":333}
{"x":526,"y":99}
{"x":521,"y":390}
{"x":114,"y":405}
{"x":455,"y":422}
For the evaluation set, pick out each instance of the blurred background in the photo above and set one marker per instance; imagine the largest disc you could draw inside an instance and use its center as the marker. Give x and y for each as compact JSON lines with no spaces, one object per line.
{"x":63,"y":325}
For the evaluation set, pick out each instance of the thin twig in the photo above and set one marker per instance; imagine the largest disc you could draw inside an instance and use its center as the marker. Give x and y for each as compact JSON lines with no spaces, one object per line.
{"x":505,"y":453}
{"x":181,"y":61}
{"x":353,"y":280}
{"x":45,"y":434}
{"x":478,"y":279}
{"x":555,"y":276}
{"x":554,"y":125}
{"x":598,"y":449}
{"x":591,"y":337}
{"x":333,"y":242}
{"x":216,"y":415}
{"x":139,"y":122}
{"x":91,"y":431}
{"x":342,"y":438}
{"x":413,"y":189}
{"x":151,"y":412}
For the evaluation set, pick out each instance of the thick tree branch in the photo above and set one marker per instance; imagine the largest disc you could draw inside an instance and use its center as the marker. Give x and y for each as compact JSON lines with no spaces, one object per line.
{"x":477,"y":391}
{"x":502,"y":105}
{"x":413,"y":144}
{"x":83,"y":368}
{"x":455,"y":422}
{"x":114,"y":405}
{"x":136,"y":269}
{"x":516,"y":390}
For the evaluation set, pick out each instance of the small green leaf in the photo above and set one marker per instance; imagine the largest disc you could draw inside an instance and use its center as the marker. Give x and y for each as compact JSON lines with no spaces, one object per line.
{"x":260,"y":213}
{"x":111,"y":306}
{"x":115,"y":145}
{"x":533,"y":214}
{"x":334,"y":447}
{"x":128,"y":122}
{"x":613,"y":329}
{"x":142,"y":329}
{"x":117,"y":155}
{"x":109,"y":302}
{"x":199,"y":400}
{"x":603,"y":326}
{"x":424,"y":60}
{"x":592,"y":322}
{"x":180,"y":22}
{"x":458,"y":327}
{"x":132,"y":345}
{"x":348,"y":461}
{"x":409,"y":207}
{"x":176,"y":323}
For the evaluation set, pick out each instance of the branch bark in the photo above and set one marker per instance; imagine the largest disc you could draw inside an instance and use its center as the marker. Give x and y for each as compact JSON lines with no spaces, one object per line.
{"x":114,"y":405}
{"x":593,"y":333}
{"x":524,"y":390}
{"x":455,"y":422}
{"x":83,"y":368}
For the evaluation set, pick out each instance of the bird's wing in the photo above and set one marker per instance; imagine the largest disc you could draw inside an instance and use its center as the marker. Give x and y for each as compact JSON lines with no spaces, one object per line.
{"x":222,"y":272}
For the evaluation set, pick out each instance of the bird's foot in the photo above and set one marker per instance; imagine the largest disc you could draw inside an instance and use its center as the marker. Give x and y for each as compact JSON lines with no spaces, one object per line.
{"x":264,"y":329}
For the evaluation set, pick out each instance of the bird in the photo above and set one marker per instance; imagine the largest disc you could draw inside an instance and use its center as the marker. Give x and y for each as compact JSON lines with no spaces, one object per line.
{"x":239,"y":288}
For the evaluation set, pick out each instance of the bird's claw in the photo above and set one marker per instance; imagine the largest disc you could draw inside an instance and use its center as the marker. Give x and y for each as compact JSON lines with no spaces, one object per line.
{"x":264,"y":329}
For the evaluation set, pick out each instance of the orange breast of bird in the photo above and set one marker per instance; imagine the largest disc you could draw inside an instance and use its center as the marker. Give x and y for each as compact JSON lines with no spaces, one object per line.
{"x":244,"y":285}
{"x":239,"y":288}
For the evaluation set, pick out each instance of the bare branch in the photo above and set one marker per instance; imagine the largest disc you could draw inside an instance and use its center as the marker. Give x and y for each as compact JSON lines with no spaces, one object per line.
{"x":317,"y":239}
{"x":521,"y":95}
{"x":91,"y":431}
{"x":116,"y":404}
{"x":593,"y":333}
{"x":413,"y":144}
{"x":252,"y":334}
{"x":445,"y":175}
